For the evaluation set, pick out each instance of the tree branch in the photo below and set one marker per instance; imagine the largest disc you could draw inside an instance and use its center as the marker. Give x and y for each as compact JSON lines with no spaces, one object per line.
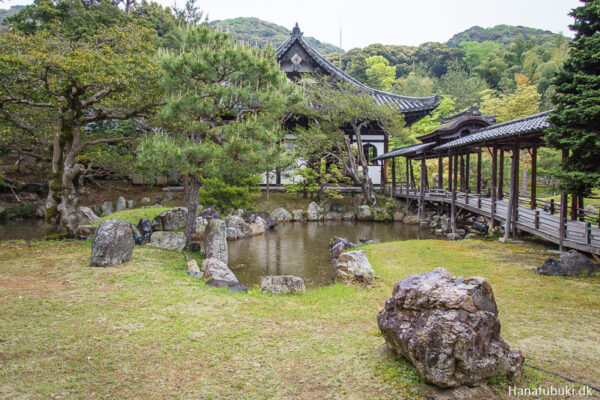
{"x":108,"y":140}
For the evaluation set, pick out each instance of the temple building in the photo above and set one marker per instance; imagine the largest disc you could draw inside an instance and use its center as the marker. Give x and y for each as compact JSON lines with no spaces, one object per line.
{"x":297,"y":57}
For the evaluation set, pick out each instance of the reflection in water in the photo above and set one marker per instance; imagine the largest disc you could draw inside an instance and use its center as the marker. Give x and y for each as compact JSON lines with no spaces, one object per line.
{"x":301,"y":249}
{"x":28,"y":229}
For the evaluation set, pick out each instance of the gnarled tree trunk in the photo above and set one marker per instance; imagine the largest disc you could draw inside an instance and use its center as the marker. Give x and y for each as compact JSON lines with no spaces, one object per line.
{"x":194,"y":183}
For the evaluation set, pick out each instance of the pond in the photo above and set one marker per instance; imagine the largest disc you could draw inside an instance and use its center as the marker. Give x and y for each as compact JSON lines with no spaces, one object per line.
{"x":302,"y":249}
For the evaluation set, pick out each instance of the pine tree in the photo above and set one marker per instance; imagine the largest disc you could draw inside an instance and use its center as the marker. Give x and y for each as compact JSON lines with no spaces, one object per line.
{"x":576,"y":118}
{"x":224,"y":106}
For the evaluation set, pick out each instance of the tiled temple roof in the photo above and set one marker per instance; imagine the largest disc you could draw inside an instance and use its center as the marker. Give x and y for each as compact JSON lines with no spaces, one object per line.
{"x":405,"y":151}
{"x":516,"y":127}
{"x":404,"y":104}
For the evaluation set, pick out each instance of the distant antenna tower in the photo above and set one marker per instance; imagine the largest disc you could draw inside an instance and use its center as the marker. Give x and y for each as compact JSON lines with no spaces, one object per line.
{"x":341,"y":45}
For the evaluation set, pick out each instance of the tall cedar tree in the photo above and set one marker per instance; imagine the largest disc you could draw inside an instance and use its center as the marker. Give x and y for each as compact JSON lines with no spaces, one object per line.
{"x":224,"y":108}
{"x":576,"y":118}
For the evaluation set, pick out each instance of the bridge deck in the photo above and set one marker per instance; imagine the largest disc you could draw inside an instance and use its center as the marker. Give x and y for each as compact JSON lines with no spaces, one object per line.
{"x":579,"y":235}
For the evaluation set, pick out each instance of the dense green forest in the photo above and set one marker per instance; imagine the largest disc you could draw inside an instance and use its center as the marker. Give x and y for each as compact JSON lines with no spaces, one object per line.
{"x":263,"y":33}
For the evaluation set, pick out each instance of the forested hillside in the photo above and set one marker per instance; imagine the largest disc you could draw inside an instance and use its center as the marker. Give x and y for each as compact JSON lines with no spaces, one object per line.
{"x":262,"y":33}
{"x":503,"y":34}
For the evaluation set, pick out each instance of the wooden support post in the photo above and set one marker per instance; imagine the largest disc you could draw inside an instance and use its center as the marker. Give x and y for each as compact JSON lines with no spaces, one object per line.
{"x":422,"y":191}
{"x":588,"y":233}
{"x":393,"y":177}
{"x":562,"y":228}
{"x":453,"y":200}
{"x":501,"y":175}
{"x":494,"y":189}
{"x":533,"y":177}
{"x":536,"y":219}
{"x":412,"y":177}
{"x":573,"y":207}
{"x":467,"y":171}
{"x":479,"y":172}
{"x":511,"y":197}
{"x":581,"y":209}
{"x":450,"y":172}
{"x":407,"y":185}
{"x":462,"y":173}
{"x":440,"y":182}
{"x":553,"y":208}
{"x":515,"y":210}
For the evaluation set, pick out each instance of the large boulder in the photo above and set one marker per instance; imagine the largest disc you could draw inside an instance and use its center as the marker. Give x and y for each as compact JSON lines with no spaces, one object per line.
{"x":200,"y":228}
{"x":258,"y":227}
{"x":332,"y":216}
{"x":107,"y":208}
{"x":411,"y":220}
{"x":213,"y":268}
{"x":250,"y":217}
{"x":348,"y":216}
{"x":237,"y":228}
{"x":168,"y":240}
{"x":314,"y":212}
{"x":215,"y":240}
{"x":363,"y":213}
{"x":281,"y":215}
{"x":282,"y":284}
{"x":298,"y":215}
{"x":145,"y":228}
{"x":113,"y":243}
{"x":448,"y":328}
{"x":120,"y":204}
{"x":354,"y":267}
{"x":170,"y":220}
{"x":338,"y":245}
{"x":89,"y":214}
{"x":572,"y":263}
{"x":381,"y":215}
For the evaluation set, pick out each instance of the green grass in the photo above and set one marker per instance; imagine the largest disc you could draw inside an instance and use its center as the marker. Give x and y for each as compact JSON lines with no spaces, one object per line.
{"x":135,"y":214}
{"x":147,"y":330}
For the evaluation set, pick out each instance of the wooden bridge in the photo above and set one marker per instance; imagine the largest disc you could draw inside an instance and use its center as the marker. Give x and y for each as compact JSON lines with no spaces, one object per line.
{"x":544,"y":222}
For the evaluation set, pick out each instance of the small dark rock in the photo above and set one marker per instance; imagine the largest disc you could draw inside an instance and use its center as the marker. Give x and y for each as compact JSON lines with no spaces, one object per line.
{"x":145,"y":228}
{"x":337,"y":207}
{"x":572,"y":263}
{"x":195,"y":247}
{"x":138,"y":239}
{"x":363,"y":240}
{"x":481,"y":227}
{"x":209,"y":214}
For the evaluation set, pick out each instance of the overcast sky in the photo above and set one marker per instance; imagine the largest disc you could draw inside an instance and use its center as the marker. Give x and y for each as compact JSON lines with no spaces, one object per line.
{"x":388,"y":21}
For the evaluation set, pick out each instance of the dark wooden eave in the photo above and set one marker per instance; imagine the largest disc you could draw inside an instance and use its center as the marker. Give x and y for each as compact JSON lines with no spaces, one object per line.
{"x":413,"y":108}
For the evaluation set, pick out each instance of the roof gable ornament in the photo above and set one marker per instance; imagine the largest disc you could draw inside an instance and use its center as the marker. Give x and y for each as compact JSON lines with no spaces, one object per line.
{"x":296,"y":30}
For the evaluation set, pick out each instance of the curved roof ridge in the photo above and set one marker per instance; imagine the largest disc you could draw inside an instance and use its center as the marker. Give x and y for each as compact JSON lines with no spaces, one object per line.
{"x":423,"y":103}
{"x":513,"y":121}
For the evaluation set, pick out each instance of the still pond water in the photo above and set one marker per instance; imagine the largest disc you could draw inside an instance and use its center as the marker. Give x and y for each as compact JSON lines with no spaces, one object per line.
{"x":299,"y":249}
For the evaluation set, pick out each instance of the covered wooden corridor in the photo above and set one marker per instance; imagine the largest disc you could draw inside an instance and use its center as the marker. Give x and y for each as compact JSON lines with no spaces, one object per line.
{"x":548,"y":220}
